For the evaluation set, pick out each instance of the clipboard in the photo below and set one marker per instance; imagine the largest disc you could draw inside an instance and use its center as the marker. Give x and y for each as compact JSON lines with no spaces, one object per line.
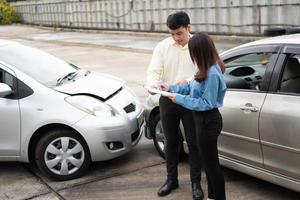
{"x":156,"y":91}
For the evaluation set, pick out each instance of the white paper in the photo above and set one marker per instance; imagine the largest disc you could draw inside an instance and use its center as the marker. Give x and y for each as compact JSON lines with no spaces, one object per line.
{"x":156,"y":91}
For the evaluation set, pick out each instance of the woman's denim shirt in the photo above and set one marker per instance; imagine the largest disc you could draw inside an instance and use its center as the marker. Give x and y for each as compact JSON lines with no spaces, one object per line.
{"x":207,"y":95}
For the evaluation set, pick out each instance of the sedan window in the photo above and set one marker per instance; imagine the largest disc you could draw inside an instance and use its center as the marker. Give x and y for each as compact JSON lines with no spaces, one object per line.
{"x":290,"y":81}
{"x":246,"y":71}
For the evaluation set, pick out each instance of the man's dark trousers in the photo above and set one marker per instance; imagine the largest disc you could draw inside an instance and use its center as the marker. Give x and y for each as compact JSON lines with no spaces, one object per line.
{"x":170,"y":115}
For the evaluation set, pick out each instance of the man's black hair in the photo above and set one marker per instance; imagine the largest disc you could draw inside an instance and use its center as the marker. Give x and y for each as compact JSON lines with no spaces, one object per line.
{"x":177,"y":20}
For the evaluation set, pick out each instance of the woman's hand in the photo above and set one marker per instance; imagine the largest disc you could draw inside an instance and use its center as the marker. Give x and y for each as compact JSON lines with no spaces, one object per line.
{"x":171,"y":96}
{"x":180,"y":82}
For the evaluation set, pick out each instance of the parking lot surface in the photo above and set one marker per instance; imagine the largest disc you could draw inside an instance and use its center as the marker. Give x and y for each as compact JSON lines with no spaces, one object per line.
{"x":139,"y":174}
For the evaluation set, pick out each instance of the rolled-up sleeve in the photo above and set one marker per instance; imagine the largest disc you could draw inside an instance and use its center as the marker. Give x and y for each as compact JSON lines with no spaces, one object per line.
{"x":205,"y":102}
{"x":180,"y":88}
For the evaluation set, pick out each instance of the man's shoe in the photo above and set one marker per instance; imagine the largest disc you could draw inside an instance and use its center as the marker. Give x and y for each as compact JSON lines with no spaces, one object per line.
{"x":167,"y":187}
{"x":197,"y":191}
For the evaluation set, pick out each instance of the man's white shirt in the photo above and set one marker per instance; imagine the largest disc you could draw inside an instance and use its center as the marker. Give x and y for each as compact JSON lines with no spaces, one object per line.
{"x":170,"y":63}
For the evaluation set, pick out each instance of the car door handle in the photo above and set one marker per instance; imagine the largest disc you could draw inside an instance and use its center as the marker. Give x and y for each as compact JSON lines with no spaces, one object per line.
{"x":249,"y":107}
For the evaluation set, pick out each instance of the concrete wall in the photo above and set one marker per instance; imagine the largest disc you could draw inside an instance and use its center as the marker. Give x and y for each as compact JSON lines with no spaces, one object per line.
{"x":218,"y":16}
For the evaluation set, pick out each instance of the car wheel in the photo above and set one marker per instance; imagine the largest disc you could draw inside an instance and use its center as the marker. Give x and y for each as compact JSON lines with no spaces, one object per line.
{"x":292,"y":30}
{"x":159,"y":137}
{"x":62,"y":155}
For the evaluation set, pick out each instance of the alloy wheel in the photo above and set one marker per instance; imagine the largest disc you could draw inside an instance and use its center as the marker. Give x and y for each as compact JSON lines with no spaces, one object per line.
{"x":64,"y":156}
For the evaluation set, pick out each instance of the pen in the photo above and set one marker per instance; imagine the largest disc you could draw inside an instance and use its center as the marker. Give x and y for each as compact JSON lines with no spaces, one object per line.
{"x":161,"y":87}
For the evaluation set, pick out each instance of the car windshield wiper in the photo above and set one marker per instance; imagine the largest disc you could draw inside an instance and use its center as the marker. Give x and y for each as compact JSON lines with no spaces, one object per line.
{"x":69,"y":76}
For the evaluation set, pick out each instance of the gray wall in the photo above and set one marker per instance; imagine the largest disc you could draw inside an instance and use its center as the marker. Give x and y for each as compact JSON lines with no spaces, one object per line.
{"x":218,"y":16}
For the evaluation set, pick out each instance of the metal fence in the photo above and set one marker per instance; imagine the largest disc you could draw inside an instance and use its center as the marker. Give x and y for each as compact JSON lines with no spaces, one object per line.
{"x":216,"y":16}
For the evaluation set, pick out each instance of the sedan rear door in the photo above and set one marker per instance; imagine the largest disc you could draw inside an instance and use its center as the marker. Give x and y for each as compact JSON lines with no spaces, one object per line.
{"x":280,"y":117}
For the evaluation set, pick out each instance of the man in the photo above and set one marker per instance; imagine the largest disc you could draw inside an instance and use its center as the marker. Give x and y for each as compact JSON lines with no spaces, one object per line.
{"x":171,"y":63}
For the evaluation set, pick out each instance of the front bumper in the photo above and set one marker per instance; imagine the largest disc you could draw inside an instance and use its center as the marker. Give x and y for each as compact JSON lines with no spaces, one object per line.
{"x":111,"y":137}
{"x":152,"y":103}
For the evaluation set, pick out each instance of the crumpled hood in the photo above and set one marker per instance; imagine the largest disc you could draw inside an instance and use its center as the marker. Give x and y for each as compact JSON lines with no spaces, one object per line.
{"x":101,"y":85}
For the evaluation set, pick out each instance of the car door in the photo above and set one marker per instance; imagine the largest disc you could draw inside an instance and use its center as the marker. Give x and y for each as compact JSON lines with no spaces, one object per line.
{"x":247,"y":77}
{"x":9,"y":117}
{"x":280,"y":116}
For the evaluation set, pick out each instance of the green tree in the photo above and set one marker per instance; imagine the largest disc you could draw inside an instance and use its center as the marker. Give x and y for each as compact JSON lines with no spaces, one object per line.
{"x":8,"y":14}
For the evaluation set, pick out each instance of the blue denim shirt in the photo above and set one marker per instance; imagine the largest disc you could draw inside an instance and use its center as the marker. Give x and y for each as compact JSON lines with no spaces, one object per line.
{"x":202,"y":96}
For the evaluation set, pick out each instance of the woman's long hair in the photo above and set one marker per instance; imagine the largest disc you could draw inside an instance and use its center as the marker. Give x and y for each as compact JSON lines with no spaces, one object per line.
{"x":204,"y":54}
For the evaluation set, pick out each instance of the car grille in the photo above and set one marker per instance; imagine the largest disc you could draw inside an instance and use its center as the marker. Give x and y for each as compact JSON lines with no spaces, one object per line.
{"x":129,"y":108}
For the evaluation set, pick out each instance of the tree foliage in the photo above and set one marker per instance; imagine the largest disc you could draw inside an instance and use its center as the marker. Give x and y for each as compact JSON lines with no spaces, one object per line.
{"x":8,"y":14}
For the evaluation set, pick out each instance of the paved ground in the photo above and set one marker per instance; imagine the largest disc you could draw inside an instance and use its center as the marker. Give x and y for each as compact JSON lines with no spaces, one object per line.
{"x":138,"y":174}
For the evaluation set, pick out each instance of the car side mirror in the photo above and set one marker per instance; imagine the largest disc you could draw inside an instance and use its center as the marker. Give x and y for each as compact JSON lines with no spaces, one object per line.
{"x":4,"y":90}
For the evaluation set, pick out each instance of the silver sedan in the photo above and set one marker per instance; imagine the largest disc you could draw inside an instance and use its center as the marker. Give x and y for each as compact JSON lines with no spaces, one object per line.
{"x":261,"y":113}
{"x":62,"y":117}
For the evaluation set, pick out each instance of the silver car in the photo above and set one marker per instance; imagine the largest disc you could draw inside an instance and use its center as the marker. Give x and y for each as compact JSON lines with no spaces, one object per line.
{"x":261,"y":113}
{"x":62,"y":117}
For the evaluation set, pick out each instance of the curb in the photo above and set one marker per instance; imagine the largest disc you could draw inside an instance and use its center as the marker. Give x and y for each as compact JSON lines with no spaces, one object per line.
{"x":157,"y":35}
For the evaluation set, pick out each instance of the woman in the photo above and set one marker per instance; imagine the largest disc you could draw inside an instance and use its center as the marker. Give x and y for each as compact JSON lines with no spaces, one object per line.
{"x":204,"y":95}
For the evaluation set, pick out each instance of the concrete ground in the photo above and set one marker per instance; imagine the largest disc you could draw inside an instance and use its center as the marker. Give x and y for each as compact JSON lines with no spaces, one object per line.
{"x":138,"y":174}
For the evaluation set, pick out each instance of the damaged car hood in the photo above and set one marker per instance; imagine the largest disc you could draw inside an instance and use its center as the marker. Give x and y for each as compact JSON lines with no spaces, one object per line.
{"x":99,"y":85}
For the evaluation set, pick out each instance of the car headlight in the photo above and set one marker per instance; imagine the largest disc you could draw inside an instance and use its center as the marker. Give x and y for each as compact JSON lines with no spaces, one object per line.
{"x":91,"y":105}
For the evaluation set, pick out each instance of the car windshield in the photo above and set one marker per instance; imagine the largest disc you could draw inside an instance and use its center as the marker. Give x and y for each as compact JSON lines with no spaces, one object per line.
{"x":41,"y":66}
{"x":249,"y":60}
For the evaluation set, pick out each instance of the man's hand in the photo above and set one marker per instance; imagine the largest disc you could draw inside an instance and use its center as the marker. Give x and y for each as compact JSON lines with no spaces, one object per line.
{"x":163,"y":86}
{"x":152,"y":86}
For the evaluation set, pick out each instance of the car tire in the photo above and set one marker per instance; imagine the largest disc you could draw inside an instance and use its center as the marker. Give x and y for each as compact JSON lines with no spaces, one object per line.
{"x":62,"y":155}
{"x":292,"y":30}
{"x":274,"y":31}
{"x":159,"y":138}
